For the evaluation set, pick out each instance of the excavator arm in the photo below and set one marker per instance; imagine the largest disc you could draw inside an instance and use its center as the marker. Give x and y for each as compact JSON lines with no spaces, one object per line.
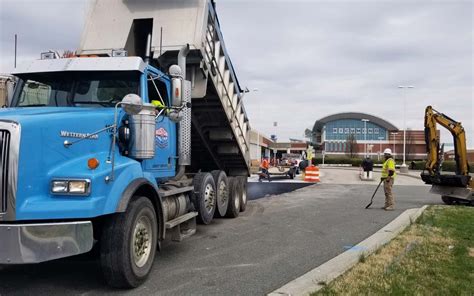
{"x":433,"y":165}
{"x":432,"y":118}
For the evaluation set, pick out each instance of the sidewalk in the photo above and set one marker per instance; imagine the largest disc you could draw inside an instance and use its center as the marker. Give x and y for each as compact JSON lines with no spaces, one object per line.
{"x":412,"y":173}
{"x":317,"y":278}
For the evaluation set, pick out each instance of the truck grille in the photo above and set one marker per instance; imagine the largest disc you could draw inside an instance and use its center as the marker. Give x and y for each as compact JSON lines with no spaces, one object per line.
{"x":4,"y":158}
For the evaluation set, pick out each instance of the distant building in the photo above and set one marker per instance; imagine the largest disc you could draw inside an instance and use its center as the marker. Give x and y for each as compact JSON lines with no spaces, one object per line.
{"x":449,"y":155}
{"x":351,"y":133}
{"x":262,"y":146}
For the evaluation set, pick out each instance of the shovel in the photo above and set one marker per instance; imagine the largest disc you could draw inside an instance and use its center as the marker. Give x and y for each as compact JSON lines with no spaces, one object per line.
{"x":372,"y":199}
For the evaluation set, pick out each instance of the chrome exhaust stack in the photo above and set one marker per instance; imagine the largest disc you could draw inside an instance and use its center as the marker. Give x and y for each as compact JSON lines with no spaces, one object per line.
{"x":181,"y":99}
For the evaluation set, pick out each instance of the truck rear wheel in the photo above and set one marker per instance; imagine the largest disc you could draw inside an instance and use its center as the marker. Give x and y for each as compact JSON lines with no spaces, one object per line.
{"x":128,"y":244}
{"x":222,"y":192}
{"x":233,"y":208}
{"x":204,"y":197}
{"x":243,"y":193}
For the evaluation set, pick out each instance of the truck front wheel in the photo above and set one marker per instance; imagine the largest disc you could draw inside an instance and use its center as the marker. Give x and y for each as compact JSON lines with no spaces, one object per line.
{"x":128,"y":244}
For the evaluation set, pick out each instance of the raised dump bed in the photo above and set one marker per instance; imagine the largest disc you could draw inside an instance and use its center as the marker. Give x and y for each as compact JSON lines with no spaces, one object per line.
{"x":220,"y":128}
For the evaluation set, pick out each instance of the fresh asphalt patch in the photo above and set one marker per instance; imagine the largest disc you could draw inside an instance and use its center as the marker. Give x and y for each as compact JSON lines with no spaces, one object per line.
{"x":256,"y":190}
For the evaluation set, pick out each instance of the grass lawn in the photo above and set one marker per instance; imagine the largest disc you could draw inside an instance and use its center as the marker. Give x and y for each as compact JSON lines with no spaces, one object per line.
{"x":434,"y":256}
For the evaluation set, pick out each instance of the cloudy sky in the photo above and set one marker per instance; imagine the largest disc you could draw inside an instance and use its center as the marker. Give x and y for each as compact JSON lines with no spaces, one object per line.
{"x":303,"y":60}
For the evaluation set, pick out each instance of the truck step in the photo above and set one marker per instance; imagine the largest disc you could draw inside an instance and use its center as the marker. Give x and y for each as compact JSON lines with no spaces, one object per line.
{"x":182,"y":227}
{"x":172,"y":223}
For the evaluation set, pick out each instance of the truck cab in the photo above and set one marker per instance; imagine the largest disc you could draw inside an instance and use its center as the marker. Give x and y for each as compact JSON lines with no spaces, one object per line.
{"x":87,"y":140}
{"x":117,"y":152}
{"x":73,"y":104}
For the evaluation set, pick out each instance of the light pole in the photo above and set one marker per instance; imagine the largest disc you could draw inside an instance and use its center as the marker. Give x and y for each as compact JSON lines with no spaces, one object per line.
{"x":404,"y":168}
{"x":365,"y":135}
{"x":246,"y":90}
{"x":275,"y":124}
{"x":394,"y":134}
{"x":380,"y":148}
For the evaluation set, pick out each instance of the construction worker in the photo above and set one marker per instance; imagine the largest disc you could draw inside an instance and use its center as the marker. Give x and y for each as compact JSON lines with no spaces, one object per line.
{"x":368,"y":167}
{"x":388,"y":177}
{"x":264,"y":166}
{"x":158,"y":105}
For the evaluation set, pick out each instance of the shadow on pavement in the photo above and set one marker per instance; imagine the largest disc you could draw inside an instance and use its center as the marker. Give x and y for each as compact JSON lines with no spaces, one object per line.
{"x":258,"y":190}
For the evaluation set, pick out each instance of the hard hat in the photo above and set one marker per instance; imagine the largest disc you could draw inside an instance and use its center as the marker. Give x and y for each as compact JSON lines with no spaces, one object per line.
{"x":387,"y":151}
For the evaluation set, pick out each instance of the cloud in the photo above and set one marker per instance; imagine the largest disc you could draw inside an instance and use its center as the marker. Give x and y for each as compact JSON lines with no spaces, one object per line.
{"x":40,"y":26}
{"x":309,"y":59}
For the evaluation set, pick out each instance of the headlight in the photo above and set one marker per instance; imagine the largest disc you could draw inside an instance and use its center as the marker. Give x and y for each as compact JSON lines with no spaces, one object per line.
{"x":72,"y":187}
{"x":59,"y":187}
{"x":78,"y":186}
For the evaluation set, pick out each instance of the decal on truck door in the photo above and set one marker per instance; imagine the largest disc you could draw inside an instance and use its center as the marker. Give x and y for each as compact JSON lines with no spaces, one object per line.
{"x":67,"y":134}
{"x":161,"y":138}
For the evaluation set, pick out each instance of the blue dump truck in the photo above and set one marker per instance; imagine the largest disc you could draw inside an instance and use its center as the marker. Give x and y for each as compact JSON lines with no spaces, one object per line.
{"x":135,"y":138}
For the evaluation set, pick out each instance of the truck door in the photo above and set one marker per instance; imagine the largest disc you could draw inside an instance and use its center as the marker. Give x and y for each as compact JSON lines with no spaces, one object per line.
{"x":164,"y":163}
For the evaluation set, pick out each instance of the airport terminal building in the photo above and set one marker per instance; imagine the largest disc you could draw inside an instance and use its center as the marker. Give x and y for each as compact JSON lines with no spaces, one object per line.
{"x":352,"y":133}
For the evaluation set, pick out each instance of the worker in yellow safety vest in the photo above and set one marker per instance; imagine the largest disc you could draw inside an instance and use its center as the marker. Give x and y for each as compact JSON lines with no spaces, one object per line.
{"x":388,"y":177}
{"x":157,"y":104}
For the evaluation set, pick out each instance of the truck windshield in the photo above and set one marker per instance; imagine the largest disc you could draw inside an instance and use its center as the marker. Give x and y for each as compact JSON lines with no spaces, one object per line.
{"x":75,"y":89}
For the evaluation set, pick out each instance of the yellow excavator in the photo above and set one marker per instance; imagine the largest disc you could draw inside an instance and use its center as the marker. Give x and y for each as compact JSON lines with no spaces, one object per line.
{"x":453,"y":188}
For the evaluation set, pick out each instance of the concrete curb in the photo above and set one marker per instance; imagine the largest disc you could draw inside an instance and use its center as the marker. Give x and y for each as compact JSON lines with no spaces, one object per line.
{"x":339,"y":167}
{"x":325,"y":273}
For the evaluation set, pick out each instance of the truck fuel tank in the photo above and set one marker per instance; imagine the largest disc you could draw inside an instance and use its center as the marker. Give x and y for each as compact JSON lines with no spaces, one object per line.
{"x":142,"y":133}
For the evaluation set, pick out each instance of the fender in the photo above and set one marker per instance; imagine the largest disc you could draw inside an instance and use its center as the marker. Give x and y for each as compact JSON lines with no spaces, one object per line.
{"x":144,"y":185}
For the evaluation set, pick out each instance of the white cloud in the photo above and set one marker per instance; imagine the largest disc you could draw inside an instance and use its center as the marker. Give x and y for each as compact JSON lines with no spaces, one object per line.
{"x":309,"y":59}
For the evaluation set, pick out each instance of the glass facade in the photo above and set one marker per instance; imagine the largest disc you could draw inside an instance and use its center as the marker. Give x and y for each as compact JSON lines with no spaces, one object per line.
{"x":339,"y":130}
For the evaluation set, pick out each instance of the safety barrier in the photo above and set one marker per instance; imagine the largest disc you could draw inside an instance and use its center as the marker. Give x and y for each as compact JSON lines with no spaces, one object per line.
{"x":311,"y":174}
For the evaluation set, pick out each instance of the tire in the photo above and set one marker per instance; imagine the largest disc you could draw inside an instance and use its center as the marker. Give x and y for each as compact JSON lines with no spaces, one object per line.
{"x":291,"y":174}
{"x":204,"y":197}
{"x":222,"y":192}
{"x":303,"y":164}
{"x":233,"y":208}
{"x":447,"y":200}
{"x":128,"y":244}
{"x":243,"y":195}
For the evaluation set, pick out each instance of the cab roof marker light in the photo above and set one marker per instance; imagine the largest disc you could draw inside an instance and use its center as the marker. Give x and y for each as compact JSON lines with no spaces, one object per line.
{"x":49,"y":55}
{"x":119,"y":53}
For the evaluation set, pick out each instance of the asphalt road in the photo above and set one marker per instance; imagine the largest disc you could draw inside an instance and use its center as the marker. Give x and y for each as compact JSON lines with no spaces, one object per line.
{"x":278,"y":238}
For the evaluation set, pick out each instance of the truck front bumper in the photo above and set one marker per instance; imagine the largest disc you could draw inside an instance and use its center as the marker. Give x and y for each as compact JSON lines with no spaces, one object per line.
{"x":34,"y":243}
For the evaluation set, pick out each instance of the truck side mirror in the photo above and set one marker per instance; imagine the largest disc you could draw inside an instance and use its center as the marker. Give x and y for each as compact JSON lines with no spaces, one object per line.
{"x":176,"y":85}
{"x":132,"y":104}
